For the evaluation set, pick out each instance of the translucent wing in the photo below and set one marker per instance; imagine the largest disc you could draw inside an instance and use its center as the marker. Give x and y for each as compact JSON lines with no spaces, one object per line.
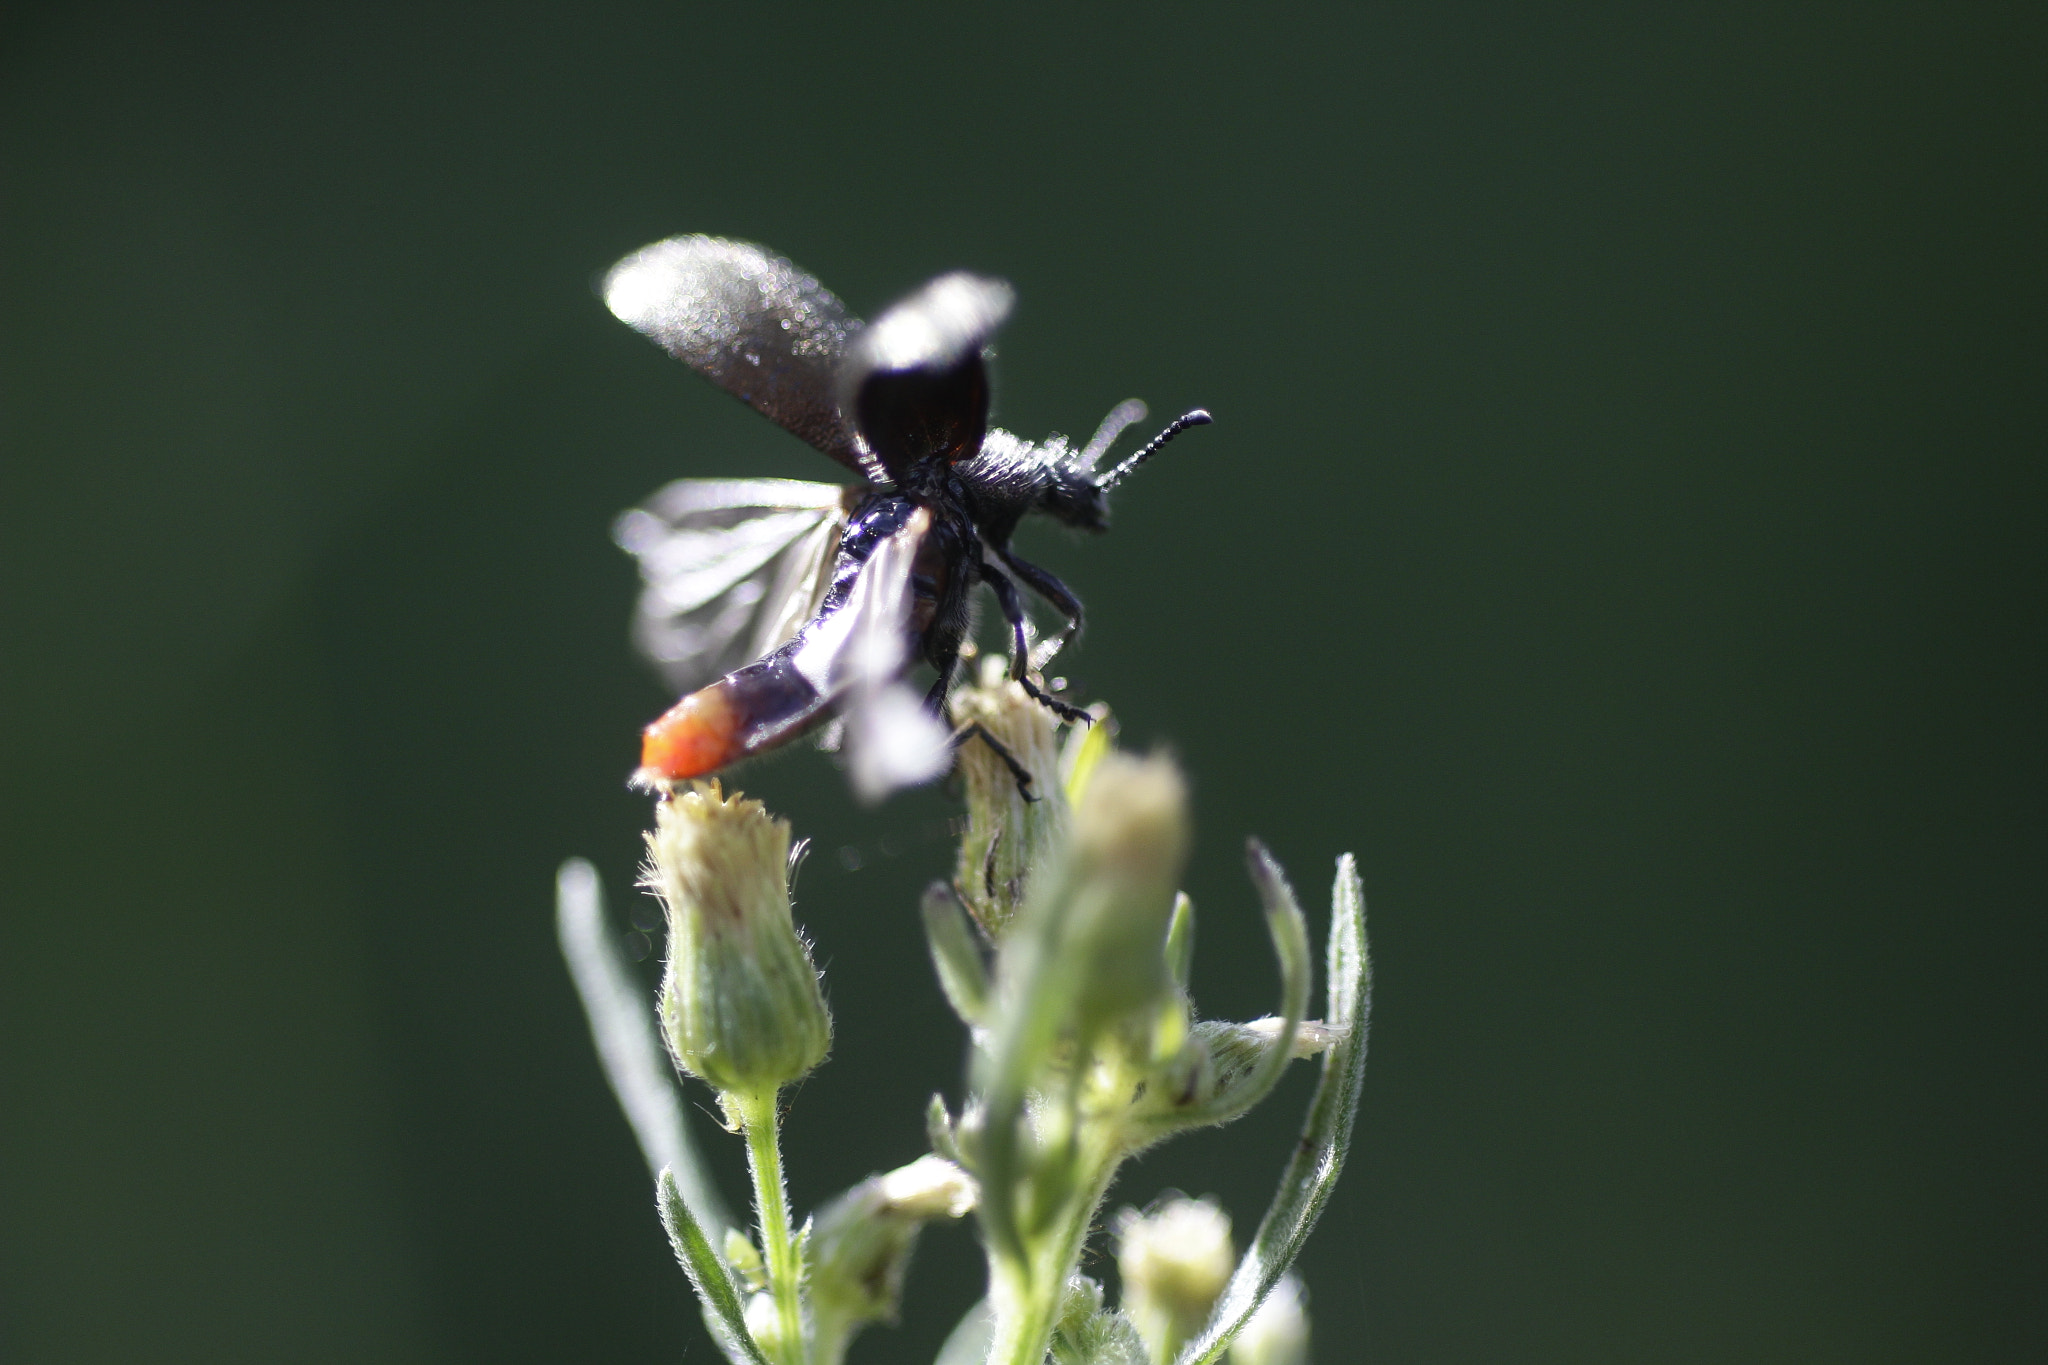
{"x":754,"y":325}
{"x":860,"y":653}
{"x":732,"y":567}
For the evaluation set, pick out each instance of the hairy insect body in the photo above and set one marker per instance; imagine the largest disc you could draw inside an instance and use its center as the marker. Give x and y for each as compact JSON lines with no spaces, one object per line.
{"x":1010,"y":477}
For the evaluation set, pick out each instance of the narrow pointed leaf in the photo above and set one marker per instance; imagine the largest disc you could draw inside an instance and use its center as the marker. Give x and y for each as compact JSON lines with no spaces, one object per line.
{"x":1180,"y":940}
{"x":1289,"y":932}
{"x":622,"y":1026}
{"x":1083,"y":753}
{"x":723,"y":1313}
{"x":1326,"y":1136}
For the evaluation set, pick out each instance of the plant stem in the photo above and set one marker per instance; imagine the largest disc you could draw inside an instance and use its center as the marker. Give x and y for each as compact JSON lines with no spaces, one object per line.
{"x":760,"y":1118}
{"x":1027,"y":1294}
{"x":1023,"y":1315}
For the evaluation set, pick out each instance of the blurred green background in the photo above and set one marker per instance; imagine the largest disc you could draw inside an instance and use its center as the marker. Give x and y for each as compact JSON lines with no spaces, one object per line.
{"x":1622,"y":527}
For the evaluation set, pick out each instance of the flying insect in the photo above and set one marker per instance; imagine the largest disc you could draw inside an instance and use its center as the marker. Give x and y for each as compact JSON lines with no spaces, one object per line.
{"x":777,"y":605}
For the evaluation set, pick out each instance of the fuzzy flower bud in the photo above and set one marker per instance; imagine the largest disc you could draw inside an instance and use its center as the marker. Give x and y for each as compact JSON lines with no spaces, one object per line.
{"x":1122,"y":870}
{"x":740,"y":1004}
{"x":1089,"y":1334}
{"x":1278,"y":1333}
{"x":765,"y":1326}
{"x":1007,"y":836}
{"x":1175,"y":1262}
{"x":861,"y":1243}
{"x":1233,"y":1054}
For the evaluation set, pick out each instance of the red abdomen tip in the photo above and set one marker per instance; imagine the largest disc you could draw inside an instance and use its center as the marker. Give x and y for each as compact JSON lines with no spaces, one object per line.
{"x":698,"y":735}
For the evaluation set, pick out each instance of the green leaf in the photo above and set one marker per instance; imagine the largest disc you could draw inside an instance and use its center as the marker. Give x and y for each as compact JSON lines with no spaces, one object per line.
{"x":1237,"y":1089}
{"x":621,"y":1016}
{"x":1180,"y":941}
{"x":1289,"y":932}
{"x":1325,"y":1138}
{"x":1083,"y":753}
{"x":1034,"y":1001}
{"x":938,"y":1130}
{"x":956,"y":955}
{"x":723,"y":1313}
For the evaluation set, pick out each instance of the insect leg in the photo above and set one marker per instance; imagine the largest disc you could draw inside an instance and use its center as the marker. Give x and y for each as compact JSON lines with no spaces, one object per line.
{"x":1020,"y":661}
{"x":1052,"y":590}
{"x":974,"y":729}
{"x":935,"y":698}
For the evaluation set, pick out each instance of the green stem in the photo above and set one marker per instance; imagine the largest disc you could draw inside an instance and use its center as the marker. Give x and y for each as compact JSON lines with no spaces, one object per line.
{"x":1027,"y":1293}
{"x":1024,"y":1318}
{"x":760,"y":1118}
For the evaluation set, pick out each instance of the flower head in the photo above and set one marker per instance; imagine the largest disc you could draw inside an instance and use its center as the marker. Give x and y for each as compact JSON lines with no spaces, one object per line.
{"x":740,"y":1002}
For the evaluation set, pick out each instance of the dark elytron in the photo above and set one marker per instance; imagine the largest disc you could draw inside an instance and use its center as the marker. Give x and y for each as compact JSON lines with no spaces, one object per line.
{"x":835,"y":593}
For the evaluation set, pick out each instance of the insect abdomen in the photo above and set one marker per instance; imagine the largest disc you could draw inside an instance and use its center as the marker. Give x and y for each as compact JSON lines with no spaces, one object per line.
{"x":746,"y":711}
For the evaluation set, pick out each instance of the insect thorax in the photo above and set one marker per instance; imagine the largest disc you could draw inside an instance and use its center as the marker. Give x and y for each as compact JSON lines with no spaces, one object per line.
{"x":1010,"y":477}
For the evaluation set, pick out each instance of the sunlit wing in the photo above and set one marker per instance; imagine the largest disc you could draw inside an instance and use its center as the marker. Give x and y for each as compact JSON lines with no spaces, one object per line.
{"x":859,"y":654}
{"x":732,"y":567}
{"x":754,"y":325}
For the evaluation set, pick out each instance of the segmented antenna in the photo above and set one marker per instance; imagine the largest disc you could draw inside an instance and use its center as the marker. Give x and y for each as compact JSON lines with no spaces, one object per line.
{"x":1198,"y":418}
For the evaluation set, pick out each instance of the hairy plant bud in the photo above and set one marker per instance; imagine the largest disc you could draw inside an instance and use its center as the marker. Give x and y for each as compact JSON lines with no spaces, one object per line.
{"x":1277,"y":1333}
{"x":1089,"y":1334}
{"x":765,"y":1327}
{"x":740,"y":1002}
{"x":1236,"y":1050}
{"x":1006,"y":836}
{"x":1175,"y":1261}
{"x":1123,"y":866}
{"x":861,"y":1242}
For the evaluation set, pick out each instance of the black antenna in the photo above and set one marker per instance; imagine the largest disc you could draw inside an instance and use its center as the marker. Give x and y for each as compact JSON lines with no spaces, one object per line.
{"x":1198,"y":418}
